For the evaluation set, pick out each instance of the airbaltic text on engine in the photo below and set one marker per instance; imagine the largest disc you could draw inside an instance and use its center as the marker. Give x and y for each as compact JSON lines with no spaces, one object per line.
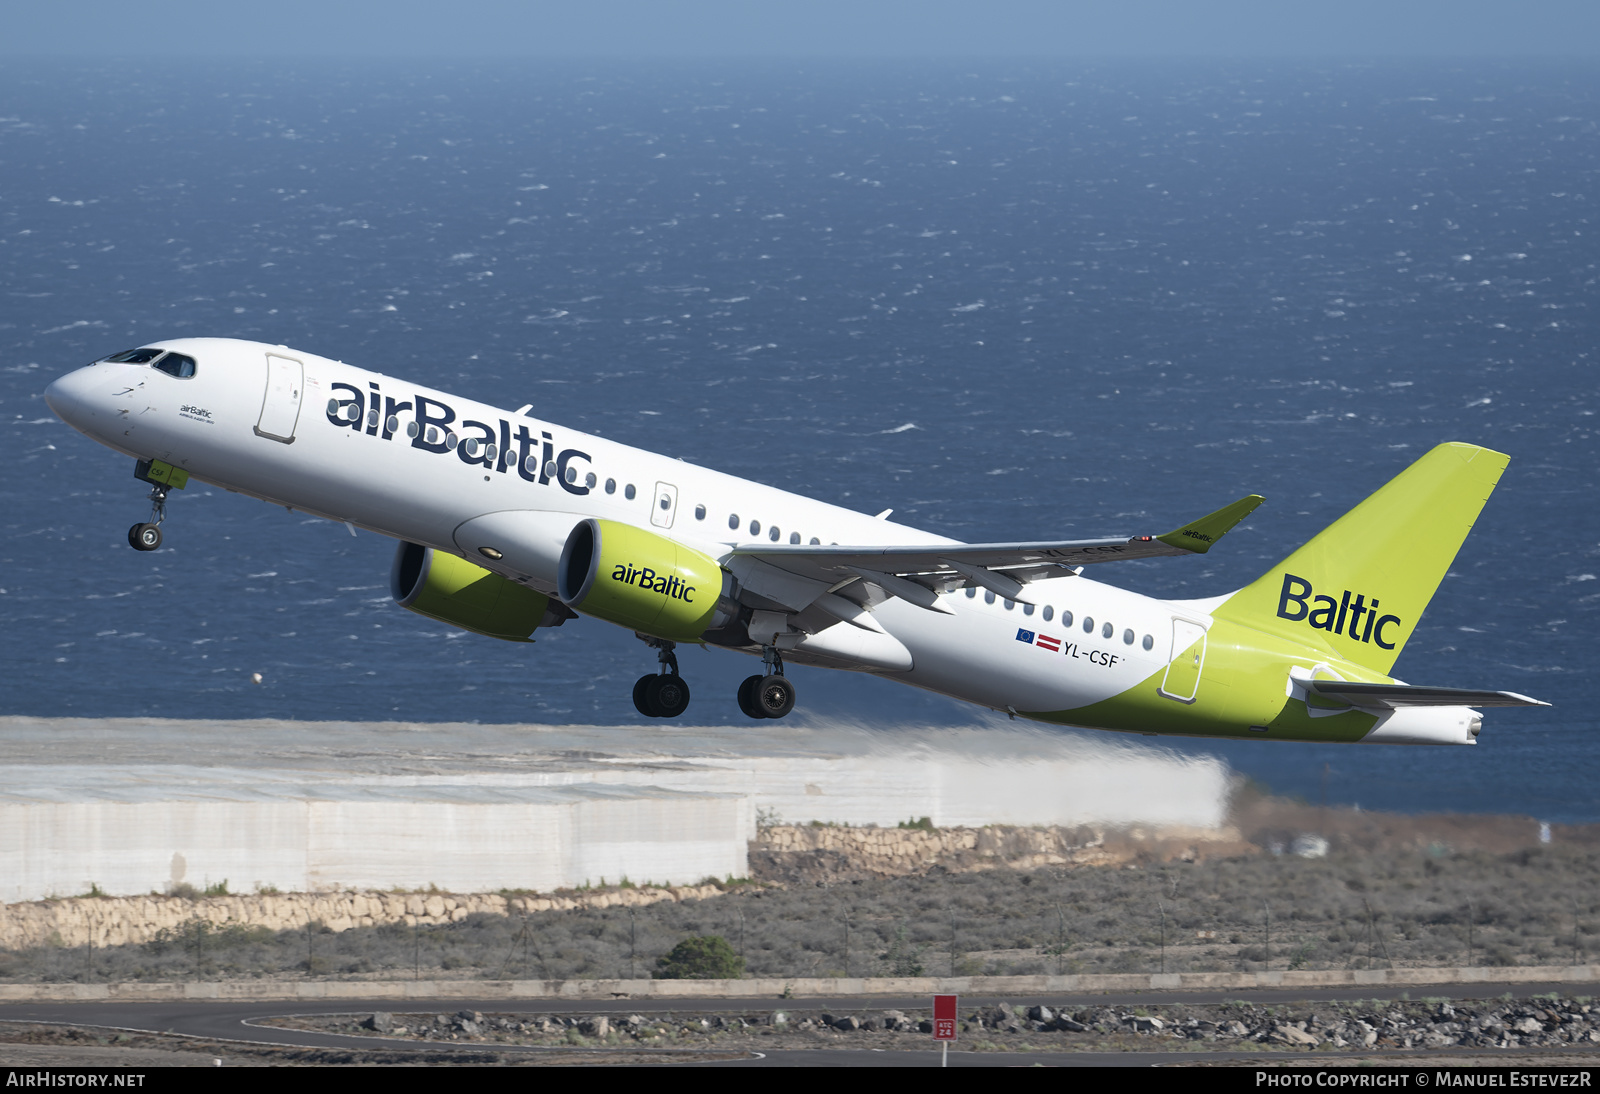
{"x":646,"y":578}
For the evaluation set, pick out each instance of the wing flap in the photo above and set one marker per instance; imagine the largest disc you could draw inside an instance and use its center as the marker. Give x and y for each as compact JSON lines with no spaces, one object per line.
{"x":1022,"y":561}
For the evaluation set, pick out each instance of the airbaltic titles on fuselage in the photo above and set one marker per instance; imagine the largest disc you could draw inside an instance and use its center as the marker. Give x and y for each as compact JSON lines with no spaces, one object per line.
{"x":433,"y":428}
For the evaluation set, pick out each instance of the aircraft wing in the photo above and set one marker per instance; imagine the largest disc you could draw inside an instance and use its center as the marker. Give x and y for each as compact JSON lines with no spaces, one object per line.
{"x":917,"y":573}
{"x":1407,"y":695}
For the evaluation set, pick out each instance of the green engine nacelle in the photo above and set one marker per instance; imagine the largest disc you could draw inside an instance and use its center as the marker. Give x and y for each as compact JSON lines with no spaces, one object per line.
{"x":639,"y":580}
{"x":454,"y":591}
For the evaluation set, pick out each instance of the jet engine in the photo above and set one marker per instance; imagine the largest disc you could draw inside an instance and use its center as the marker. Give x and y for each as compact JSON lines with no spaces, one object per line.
{"x":643,"y":581}
{"x":454,"y":591}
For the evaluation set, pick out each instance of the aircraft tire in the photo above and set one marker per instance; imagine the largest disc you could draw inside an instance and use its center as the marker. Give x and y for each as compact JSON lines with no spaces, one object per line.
{"x":641,"y":696}
{"x":144,"y":537}
{"x":775,"y":696}
{"x":667,"y":695}
{"x":747,"y":697}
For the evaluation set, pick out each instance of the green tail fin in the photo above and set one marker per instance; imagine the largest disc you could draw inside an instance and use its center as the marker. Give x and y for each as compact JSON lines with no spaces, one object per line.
{"x":1359,"y":588}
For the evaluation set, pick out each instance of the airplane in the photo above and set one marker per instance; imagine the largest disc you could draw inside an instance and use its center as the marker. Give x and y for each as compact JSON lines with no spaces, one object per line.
{"x":508,"y":523}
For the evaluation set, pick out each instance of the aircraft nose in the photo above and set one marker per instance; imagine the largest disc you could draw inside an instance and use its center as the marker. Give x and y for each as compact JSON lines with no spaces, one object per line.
{"x":72,"y":398}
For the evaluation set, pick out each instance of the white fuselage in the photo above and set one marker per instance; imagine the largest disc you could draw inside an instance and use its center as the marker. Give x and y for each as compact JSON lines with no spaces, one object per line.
{"x":224,"y":426}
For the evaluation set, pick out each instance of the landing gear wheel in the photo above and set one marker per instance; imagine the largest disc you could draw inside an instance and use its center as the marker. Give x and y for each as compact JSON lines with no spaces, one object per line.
{"x":641,"y":702}
{"x":747,"y":697}
{"x":144,"y":537}
{"x":667,"y":696}
{"x":774,"y":695}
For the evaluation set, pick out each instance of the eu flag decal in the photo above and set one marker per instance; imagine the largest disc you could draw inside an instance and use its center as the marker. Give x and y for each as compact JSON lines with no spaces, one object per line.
{"x":1025,"y":636}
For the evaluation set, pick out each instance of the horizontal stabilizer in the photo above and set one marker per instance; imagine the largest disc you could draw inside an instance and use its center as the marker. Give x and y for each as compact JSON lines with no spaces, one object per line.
{"x":1406,"y":695}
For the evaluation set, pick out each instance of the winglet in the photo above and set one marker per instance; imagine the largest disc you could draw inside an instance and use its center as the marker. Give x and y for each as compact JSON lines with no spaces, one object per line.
{"x":1199,"y":535}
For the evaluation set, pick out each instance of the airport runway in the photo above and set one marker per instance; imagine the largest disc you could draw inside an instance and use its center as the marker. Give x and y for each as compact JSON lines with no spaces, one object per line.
{"x":211,"y":1020}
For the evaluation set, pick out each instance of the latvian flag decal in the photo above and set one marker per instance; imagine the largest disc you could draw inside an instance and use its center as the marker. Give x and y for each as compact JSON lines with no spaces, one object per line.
{"x":1051,"y":644}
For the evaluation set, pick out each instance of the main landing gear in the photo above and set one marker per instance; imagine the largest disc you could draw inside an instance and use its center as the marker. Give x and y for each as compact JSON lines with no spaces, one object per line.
{"x":664,"y":694}
{"x":147,"y":537}
{"x":769,"y":696}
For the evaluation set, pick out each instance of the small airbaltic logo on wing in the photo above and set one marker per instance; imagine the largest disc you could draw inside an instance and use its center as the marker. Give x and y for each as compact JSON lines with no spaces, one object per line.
{"x":1342,"y":616}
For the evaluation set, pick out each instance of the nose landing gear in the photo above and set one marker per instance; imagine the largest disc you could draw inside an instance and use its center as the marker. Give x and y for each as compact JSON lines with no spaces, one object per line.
{"x":769,"y":696}
{"x":163,"y":478}
{"x":664,"y":694}
{"x":147,"y":537}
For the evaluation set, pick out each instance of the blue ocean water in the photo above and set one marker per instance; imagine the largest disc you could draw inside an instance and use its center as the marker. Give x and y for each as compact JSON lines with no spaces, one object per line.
{"x":1010,"y":301}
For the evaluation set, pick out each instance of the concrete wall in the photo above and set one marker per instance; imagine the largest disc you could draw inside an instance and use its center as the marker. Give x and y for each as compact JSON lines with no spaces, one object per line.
{"x":551,"y":840}
{"x":125,"y":803}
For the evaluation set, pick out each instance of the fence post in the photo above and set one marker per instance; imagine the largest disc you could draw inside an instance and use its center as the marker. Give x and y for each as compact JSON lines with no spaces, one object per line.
{"x":1266,"y":932}
{"x":1163,"y":908}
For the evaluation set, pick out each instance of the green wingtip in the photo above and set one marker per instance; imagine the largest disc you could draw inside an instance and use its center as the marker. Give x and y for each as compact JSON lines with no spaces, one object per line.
{"x":1199,"y":535}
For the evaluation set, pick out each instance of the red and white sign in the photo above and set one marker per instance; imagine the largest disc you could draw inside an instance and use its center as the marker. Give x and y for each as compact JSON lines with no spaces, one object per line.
{"x":944,"y":1017}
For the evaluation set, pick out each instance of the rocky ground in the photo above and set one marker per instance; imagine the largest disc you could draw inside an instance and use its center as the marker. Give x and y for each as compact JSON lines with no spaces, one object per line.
{"x":28,"y":1044}
{"x":1540,"y":1027}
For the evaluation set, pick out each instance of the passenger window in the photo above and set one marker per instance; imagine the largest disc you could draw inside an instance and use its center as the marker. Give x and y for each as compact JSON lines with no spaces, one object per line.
{"x":412,"y":429}
{"x":1107,"y":630}
{"x":1010,"y":604}
{"x":611,"y":486}
{"x":988,"y":598}
{"x":972,"y":591}
{"x":392,"y":425}
{"x":1027,"y":609}
{"x":176,"y":364}
{"x":572,"y":474}
{"x":629,"y":492}
{"x":490,"y":452}
{"x":530,"y":465}
{"x":1127,"y":638}
{"x":815,"y":541}
{"x":1066,"y":618}
{"x":733,"y":521}
{"x":451,"y":440}
{"x":588,"y":480}
{"x":755,"y":528}
{"x":773,"y":533}
{"x":1149,"y":641}
{"x":699,"y":512}
{"x":471,"y":446}
{"x":794,"y":537}
{"x":1048,"y":612}
{"x":1088,"y":624}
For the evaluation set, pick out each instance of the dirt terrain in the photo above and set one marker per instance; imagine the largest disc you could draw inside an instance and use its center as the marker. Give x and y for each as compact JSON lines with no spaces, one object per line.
{"x":1284,"y":886}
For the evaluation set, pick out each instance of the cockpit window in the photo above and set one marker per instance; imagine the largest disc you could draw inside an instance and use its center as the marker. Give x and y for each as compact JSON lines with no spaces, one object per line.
{"x":176,"y":364}
{"x":135,"y":356}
